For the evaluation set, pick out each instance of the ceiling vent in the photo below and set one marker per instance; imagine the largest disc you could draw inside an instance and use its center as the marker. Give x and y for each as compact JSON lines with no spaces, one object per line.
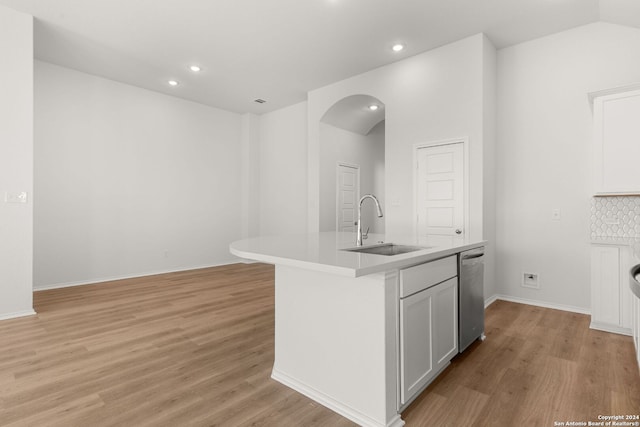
{"x":259,"y":101}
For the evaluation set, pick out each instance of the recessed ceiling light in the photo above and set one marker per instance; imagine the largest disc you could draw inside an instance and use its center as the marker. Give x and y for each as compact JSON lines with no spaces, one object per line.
{"x":373,"y":107}
{"x":173,"y":83}
{"x":195,"y":68}
{"x":397,"y":47}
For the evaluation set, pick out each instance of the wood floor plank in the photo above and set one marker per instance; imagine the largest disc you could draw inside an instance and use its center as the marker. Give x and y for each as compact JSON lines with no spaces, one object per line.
{"x":537,"y":366}
{"x":195,"y":348}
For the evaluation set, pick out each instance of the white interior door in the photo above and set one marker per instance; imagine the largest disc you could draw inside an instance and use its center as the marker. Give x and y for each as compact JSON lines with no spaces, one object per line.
{"x":440,"y":190}
{"x":348,"y":191}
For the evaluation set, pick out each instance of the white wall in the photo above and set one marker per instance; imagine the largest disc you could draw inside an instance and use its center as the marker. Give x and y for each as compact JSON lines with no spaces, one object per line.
{"x":114,"y":163}
{"x":489,"y":107}
{"x":543,"y":155}
{"x":366,"y":151}
{"x":250,"y":169}
{"x":16,"y":158}
{"x":433,"y":96}
{"x":128,"y":181}
{"x":283,"y":171}
{"x":445,"y":93}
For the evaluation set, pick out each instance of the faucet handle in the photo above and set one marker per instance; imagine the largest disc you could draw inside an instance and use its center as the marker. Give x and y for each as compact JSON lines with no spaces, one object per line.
{"x":365,"y":234}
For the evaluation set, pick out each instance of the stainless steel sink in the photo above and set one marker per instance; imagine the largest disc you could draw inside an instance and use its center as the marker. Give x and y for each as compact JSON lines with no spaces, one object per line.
{"x":387,"y":249}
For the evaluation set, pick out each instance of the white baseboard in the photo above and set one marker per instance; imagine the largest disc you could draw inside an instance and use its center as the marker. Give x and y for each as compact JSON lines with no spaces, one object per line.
{"x":424,"y":387}
{"x":537,"y":303}
{"x":248,"y":261}
{"x":490,"y":300}
{"x":329,"y":402}
{"x":17,"y":314}
{"x":610,"y":328}
{"x":113,"y":278}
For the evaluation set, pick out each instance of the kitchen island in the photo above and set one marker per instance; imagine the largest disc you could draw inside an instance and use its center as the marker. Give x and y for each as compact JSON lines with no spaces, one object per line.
{"x":339,"y":319}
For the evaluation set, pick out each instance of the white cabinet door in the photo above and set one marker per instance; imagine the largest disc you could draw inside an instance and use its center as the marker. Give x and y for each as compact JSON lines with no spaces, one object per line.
{"x":605,"y":285}
{"x":616,"y":149}
{"x":416,"y":343}
{"x":445,"y":323}
{"x":428,"y":335}
{"x":626,"y":296}
{"x":610,"y":293}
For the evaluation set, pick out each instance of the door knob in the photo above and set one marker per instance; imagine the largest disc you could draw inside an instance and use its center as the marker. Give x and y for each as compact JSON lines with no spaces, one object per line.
{"x":458,"y":231}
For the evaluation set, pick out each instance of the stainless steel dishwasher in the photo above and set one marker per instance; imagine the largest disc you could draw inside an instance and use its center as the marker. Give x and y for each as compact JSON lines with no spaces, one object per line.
{"x":470,"y":297}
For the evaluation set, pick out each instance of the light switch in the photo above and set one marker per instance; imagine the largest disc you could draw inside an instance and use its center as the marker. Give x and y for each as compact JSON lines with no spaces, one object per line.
{"x":555,"y":215}
{"x":15,"y":197}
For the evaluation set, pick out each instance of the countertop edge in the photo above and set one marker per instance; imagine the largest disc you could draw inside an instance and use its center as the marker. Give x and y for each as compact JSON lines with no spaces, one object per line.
{"x":390,"y":264}
{"x":614,"y":241}
{"x":290,"y":262}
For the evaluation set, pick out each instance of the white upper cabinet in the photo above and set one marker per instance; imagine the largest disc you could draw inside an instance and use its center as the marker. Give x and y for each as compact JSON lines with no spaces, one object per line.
{"x":616,"y":142}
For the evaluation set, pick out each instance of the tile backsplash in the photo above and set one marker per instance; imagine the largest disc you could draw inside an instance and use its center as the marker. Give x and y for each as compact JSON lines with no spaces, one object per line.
{"x":617,"y":216}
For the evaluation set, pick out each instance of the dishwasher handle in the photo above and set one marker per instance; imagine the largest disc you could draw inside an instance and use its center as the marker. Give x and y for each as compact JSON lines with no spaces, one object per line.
{"x":472,"y":256}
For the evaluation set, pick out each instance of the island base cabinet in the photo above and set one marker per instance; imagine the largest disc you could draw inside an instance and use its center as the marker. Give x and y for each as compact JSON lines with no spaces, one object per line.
{"x":428,"y":336}
{"x":336,"y":342}
{"x":610,"y":292}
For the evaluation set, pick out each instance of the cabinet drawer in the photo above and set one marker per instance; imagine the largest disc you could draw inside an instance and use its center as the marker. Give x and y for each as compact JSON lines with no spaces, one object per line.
{"x":415,"y":279}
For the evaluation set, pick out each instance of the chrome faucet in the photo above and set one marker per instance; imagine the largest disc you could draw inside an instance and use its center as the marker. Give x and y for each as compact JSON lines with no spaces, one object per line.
{"x":359,"y":232}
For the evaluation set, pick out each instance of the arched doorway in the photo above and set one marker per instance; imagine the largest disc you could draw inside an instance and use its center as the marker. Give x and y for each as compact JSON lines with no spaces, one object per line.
{"x":352,"y":162}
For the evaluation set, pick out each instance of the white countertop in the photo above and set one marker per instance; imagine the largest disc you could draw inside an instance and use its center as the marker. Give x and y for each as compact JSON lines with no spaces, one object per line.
{"x":323,"y":251}
{"x":618,"y":241}
{"x":632,"y":242}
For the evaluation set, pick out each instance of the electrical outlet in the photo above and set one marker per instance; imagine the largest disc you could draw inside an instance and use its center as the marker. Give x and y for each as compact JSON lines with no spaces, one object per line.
{"x":15,"y":197}
{"x":531,"y":280}
{"x":611,"y":221}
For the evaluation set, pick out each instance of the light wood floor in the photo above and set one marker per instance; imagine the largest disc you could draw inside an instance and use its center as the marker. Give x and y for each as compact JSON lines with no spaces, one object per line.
{"x":537,"y":366}
{"x":196,"y":349}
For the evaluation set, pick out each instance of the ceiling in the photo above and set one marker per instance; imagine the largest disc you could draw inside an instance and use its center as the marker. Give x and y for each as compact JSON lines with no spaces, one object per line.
{"x":354,"y":113}
{"x":278,"y":50}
